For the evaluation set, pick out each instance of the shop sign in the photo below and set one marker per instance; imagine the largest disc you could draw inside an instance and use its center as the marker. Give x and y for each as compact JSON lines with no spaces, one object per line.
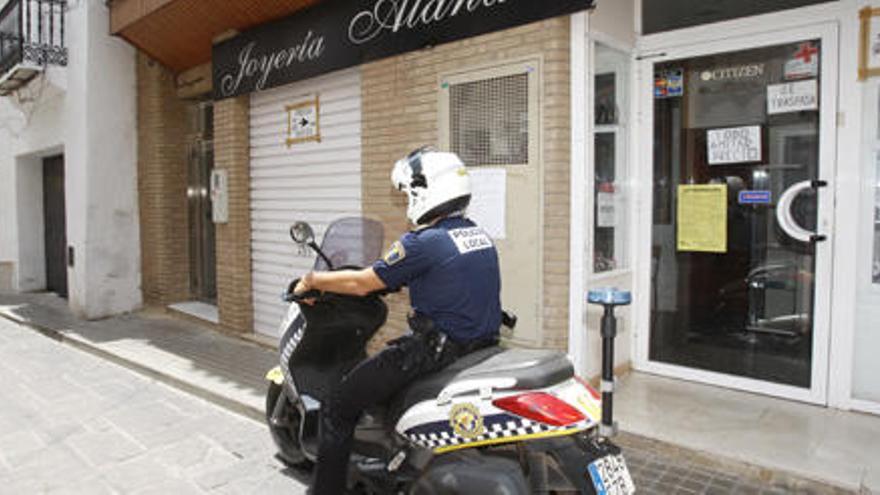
{"x":303,"y":121}
{"x":750,"y":71}
{"x":220,"y":195}
{"x":335,"y":35}
{"x":792,"y":97}
{"x":606,"y":215}
{"x":734,"y":145}
{"x":804,"y":63}
{"x":669,"y":83}
{"x":755,"y":197}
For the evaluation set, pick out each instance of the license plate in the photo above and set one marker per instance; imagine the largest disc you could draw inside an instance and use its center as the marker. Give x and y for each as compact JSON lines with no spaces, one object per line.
{"x":611,"y":476}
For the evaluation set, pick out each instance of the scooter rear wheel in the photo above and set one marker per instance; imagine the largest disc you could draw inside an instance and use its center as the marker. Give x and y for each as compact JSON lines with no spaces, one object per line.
{"x":286,"y":437}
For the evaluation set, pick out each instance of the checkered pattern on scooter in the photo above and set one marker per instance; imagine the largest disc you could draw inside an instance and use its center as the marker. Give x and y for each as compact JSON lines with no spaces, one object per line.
{"x":440,"y":434}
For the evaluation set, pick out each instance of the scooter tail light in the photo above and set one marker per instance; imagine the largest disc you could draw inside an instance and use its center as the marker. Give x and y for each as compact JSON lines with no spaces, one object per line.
{"x":593,"y":393}
{"x":541,"y":407}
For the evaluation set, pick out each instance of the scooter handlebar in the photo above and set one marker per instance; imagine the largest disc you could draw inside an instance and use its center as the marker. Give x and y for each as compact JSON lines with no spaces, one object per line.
{"x":290,"y":296}
{"x":309,"y":294}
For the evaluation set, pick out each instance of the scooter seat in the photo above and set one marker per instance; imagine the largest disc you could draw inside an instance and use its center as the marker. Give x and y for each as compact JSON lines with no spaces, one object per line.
{"x":529,"y":369}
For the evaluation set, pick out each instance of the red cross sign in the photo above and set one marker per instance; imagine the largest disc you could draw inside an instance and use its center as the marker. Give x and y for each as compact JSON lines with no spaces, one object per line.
{"x":806,"y":51}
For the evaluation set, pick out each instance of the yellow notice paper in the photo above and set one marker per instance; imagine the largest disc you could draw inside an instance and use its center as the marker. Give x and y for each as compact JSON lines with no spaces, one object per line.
{"x":702,"y":218}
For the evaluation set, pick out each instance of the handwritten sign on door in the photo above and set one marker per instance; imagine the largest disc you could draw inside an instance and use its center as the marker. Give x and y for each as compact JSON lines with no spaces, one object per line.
{"x":792,"y":97}
{"x":734,"y":145}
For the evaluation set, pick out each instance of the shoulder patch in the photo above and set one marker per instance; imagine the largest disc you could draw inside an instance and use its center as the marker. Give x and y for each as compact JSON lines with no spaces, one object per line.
{"x":469,"y":239}
{"x":395,"y":254}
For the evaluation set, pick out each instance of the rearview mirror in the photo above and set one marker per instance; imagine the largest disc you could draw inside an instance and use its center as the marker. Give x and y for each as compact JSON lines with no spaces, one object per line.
{"x":302,"y":233}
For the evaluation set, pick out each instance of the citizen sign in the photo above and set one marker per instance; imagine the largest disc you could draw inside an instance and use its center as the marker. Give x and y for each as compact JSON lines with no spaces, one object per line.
{"x":738,"y":72}
{"x":344,"y":33}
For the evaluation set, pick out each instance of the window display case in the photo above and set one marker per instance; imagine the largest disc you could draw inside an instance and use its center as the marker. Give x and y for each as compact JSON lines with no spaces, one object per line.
{"x":609,"y":235}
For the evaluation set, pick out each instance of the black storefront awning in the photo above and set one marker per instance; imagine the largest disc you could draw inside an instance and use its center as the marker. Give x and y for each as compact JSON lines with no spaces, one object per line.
{"x":335,"y":35}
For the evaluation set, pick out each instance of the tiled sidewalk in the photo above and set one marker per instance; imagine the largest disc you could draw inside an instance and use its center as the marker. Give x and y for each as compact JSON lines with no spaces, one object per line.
{"x":221,"y":368}
{"x":660,"y":468}
{"x":229,"y":371}
{"x":809,"y":441}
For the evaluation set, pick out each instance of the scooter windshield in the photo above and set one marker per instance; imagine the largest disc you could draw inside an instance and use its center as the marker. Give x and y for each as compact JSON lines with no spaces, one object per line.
{"x":351,"y":242}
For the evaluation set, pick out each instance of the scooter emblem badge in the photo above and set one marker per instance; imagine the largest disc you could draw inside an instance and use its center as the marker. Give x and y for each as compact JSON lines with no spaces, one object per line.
{"x":466,"y":421}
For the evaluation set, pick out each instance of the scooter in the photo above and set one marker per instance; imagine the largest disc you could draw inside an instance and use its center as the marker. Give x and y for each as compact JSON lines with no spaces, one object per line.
{"x":510,"y":421}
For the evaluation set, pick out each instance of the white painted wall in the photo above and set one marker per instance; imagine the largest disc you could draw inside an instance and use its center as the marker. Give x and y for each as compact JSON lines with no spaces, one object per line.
{"x":29,"y":199}
{"x":8,"y":238}
{"x":102,"y":216}
{"x":616,"y":20}
{"x":86,"y":111}
{"x":313,"y":182}
{"x":33,"y":126}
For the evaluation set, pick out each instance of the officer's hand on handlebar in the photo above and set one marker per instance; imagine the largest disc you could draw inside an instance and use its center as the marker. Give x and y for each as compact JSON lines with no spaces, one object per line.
{"x":346,"y":282}
{"x":303,"y":289}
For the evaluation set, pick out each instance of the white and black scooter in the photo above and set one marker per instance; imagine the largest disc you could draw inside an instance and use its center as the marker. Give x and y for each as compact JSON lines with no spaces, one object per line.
{"x":509,"y":421}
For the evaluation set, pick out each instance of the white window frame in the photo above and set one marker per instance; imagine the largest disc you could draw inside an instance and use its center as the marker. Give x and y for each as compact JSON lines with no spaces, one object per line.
{"x":622,"y":233}
{"x":752,"y":32}
{"x":850,"y":150}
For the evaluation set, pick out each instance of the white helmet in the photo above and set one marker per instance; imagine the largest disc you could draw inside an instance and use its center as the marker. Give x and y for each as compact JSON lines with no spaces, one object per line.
{"x":436,"y":183}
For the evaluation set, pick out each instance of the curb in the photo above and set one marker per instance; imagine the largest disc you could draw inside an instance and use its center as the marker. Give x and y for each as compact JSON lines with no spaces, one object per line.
{"x":174,"y":382}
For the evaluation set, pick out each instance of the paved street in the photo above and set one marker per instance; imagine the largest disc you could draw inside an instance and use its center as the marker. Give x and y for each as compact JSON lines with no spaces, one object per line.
{"x":73,"y":423}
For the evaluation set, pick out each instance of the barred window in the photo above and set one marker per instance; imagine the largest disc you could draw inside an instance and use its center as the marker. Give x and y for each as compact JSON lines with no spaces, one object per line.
{"x":489,"y":120}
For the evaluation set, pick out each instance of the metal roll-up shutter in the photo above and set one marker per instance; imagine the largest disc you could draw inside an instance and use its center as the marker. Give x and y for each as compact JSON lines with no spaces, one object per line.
{"x":317,"y":182}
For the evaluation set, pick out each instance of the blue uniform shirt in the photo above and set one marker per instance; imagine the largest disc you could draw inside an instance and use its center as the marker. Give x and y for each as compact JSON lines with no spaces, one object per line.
{"x":452,"y":272}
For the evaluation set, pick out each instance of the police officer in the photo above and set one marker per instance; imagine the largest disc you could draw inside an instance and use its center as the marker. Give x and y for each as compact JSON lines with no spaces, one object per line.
{"x":451,"y":268}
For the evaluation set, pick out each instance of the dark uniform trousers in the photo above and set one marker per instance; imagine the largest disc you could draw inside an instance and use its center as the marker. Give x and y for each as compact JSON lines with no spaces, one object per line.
{"x":374,"y":381}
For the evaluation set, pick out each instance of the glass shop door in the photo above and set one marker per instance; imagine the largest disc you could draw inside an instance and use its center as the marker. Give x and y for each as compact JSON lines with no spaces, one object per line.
{"x":740,"y":222}
{"x":202,"y":235}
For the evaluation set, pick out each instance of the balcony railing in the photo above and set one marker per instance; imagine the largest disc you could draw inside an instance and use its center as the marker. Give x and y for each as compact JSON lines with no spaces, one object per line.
{"x":31,"y":37}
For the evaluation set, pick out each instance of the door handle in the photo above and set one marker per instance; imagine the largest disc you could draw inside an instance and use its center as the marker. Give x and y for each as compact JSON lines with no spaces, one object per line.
{"x":785,"y":218}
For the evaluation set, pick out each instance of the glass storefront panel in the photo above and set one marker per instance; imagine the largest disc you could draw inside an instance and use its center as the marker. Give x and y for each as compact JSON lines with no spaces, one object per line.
{"x":736,"y":148}
{"x":610,"y":210}
{"x":866,"y":366}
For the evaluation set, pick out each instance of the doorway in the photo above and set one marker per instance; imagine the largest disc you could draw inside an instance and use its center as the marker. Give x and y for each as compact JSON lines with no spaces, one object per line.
{"x":55,"y":225}
{"x":490,"y":117}
{"x":742,"y":148}
{"x":200,"y":163}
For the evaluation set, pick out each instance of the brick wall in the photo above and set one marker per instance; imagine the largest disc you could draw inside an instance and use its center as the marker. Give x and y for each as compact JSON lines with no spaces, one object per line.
{"x":557,"y":163}
{"x":400,"y":112}
{"x":162,"y":182}
{"x":232,"y":152}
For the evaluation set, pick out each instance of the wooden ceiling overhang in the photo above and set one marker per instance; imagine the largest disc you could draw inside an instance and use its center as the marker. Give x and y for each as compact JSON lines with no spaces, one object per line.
{"x":180,"y":33}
